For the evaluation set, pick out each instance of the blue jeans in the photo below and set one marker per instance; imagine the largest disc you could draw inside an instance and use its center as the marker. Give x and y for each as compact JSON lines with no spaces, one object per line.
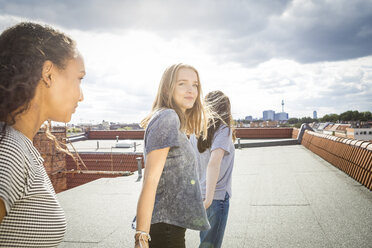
{"x":217,"y":216}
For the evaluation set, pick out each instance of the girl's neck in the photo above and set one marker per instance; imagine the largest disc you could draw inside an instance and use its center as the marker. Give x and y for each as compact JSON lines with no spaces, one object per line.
{"x":30,"y":121}
{"x":28,"y":127}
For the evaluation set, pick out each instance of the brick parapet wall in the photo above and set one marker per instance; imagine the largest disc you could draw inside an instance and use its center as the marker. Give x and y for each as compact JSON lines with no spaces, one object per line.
{"x":101,"y":162}
{"x":263,"y":133}
{"x":354,"y":157}
{"x":54,"y":160}
{"x":295,"y":132}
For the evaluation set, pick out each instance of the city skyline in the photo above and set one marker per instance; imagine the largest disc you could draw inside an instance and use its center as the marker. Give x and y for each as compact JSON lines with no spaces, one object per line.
{"x":314,"y":54}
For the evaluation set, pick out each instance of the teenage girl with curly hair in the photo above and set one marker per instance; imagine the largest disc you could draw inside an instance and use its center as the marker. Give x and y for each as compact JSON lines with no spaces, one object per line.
{"x":40,"y":75}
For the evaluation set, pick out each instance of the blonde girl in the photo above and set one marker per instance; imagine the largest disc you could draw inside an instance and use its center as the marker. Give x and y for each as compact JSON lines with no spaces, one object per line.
{"x":170,"y":201}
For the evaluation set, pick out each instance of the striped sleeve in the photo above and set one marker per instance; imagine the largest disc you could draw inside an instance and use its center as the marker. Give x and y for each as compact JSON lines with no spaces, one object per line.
{"x":12,"y":173}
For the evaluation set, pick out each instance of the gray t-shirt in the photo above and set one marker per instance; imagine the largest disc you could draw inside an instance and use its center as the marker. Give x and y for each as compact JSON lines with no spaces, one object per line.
{"x":222,"y":139}
{"x":178,"y":198}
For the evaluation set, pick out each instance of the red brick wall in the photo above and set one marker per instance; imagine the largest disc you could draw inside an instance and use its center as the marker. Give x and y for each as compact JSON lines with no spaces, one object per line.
{"x":100,"y":162}
{"x":263,"y":133}
{"x":54,"y":160}
{"x":295,"y":133}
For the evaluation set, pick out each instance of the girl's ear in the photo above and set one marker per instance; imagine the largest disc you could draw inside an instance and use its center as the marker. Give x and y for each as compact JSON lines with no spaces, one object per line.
{"x":46,"y":73}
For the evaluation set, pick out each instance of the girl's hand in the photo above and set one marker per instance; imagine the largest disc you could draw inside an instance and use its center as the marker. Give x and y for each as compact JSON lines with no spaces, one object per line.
{"x":207,"y":204}
{"x":141,"y":241}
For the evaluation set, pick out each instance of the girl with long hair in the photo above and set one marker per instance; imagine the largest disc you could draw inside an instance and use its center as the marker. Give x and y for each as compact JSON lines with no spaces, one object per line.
{"x":40,"y":75}
{"x":215,"y":156}
{"x":170,"y":201}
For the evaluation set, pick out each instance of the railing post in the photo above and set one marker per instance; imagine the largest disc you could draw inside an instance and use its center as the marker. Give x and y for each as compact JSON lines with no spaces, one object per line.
{"x":139,"y":164}
{"x":134,"y":146}
{"x":239,"y":146}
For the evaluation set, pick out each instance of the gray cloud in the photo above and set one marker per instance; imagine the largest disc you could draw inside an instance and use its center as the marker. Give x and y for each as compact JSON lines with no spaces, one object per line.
{"x":247,"y":32}
{"x":332,"y":30}
{"x":159,"y":15}
{"x":311,"y":32}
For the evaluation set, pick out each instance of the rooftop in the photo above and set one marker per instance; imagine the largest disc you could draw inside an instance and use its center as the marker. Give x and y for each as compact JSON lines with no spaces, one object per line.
{"x":283,"y":196}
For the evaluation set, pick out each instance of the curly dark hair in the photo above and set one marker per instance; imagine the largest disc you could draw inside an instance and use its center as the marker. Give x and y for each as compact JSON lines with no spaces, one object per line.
{"x":220,"y":114}
{"x":23,"y":50}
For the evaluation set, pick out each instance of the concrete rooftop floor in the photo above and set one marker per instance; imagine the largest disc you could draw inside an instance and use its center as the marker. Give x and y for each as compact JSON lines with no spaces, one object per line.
{"x":283,"y":196}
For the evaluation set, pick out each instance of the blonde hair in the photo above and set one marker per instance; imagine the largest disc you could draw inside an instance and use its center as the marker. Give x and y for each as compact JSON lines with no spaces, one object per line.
{"x":194,"y":120}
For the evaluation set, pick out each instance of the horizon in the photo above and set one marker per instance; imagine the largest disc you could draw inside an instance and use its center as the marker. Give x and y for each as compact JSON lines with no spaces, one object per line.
{"x":238,"y":119}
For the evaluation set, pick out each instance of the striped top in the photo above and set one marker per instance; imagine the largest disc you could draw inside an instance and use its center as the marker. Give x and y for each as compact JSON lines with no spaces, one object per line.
{"x":34,"y":217}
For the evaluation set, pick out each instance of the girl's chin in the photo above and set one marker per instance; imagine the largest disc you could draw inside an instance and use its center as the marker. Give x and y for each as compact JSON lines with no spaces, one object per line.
{"x":189,"y":107}
{"x":64,"y":119}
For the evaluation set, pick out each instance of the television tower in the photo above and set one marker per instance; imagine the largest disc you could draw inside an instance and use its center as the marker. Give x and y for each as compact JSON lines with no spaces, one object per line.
{"x":282,"y":106}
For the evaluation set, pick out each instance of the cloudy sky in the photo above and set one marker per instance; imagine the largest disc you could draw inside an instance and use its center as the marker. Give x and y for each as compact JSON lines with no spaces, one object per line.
{"x":314,"y":54}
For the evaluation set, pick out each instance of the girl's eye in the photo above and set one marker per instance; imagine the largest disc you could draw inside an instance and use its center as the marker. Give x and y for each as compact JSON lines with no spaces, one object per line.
{"x":196,"y":85}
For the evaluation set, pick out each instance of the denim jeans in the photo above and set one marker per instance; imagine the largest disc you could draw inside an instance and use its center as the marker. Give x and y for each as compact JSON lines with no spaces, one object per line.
{"x":217,"y":216}
{"x":165,"y":235}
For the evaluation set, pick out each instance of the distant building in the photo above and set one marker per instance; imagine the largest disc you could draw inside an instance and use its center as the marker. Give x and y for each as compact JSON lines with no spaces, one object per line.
{"x":336,"y":129}
{"x":264,"y":124}
{"x":359,"y":133}
{"x":124,"y":126}
{"x":283,"y":116}
{"x":320,"y":126}
{"x":249,"y":118}
{"x":315,"y":115}
{"x":268,"y":115}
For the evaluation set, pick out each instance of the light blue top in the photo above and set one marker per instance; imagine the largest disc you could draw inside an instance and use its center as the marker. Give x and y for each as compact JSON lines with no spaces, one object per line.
{"x":222,"y":139}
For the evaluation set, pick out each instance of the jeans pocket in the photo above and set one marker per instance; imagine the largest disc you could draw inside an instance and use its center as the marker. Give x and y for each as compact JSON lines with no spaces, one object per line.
{"x":227,"y":197}
{"x":220,"y":206}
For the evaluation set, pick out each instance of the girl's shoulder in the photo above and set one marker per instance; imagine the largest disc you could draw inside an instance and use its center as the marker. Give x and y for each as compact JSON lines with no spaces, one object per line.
{"x":223,"y":129}
{"x":11,"y":143}
{"x":223,"y":132}
{"x":164,"y":117}
{"x":12,"y":155}
{"x":166,"y":112}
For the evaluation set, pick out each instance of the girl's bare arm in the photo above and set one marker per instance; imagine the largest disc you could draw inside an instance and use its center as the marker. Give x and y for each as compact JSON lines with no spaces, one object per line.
{"x":155,"y":161}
